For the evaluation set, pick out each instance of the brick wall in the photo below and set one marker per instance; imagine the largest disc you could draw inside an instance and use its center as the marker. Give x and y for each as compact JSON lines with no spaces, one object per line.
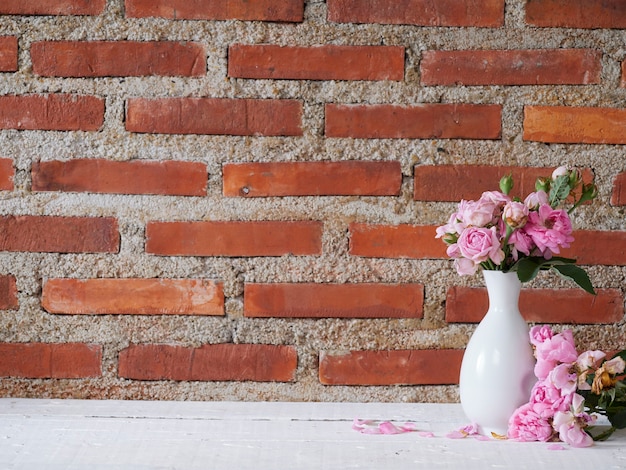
{"x":237,"y":200}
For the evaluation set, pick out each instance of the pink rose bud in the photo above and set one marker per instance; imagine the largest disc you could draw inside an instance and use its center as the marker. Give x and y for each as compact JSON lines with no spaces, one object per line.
{"x":560,"y":171}
{"x":515,"y":214}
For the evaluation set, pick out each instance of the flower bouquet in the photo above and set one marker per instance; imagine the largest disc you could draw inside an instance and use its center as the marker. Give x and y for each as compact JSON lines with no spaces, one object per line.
{"x":501,"y":233}
{"x":570,"y":392}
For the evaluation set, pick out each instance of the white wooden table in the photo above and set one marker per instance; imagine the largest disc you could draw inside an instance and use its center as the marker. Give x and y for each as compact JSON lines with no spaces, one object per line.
{"x":98,"y":435}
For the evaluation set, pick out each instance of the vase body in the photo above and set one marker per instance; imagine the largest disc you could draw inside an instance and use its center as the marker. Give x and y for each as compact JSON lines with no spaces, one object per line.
{"x":497,"y":372}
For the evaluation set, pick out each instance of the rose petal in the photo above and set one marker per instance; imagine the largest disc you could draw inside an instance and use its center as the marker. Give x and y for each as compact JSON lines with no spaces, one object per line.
{"x":556,"y":447}
{"x":389,"y":428}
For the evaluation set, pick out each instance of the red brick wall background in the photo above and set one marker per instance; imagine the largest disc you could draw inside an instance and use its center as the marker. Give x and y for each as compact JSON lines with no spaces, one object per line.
{"x":237,"y":200}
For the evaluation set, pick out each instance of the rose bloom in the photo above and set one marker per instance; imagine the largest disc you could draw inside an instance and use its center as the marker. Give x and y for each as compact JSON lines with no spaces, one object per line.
{"x":550,"y":229}
{"x":586,"y":363}
{"x":540,"y":333}
{"x":553,"y":351}
{"x":496,"y":197}
{"x":564,"y":378}
{"x":615,"y":366}
{"x":570,"y":424}
{"x":480,"y":244}
{"x":520,"y":242}
{"x":465,"y":267}
{"x":534,"y":200}
{"x":529,"y":424}
{"x":478,"y":213}
{"x":515,"y":214}
{"x":548,"y":398}
{"x":605,"y":376}
{"x":454,"y":226}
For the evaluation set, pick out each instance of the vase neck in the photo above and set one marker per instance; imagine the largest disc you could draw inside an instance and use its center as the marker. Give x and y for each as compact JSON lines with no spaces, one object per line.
{"x":503,"y":289}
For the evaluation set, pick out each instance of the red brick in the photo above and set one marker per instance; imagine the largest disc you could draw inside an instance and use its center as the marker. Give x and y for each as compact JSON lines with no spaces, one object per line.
{"x":350,"y":178}
{"x":469,"y":305}
{"x":257,"y":238}
{"x":573,"y":125}
{"x":395,"y":241}
{"x":455,"y":182}
{"x":214,"y":116}
{"x":173,"y":178}
{"x":55,"y":112}
{"x":211,"y":362}
{"x":328,"y":62}
{"x":576,"y":13}
{"x":598,"y":247}
{"x":133,"y":296}
{"x":7,"y":173}
{"x":117,"y":58}
{"x":8,"y":53}
{"x":487,"y":13}
{"x":427,"y":121}
{"x":309,"y":300}
{"x":261,"y":10}
{"x":59,"y":234}
{"x":8,"y":293}
{"x":50,"y":361}
{"x":52,"y":7}
{"x":511,"y":67}
{"x":396,"y":367}
{"x":618,"y":196}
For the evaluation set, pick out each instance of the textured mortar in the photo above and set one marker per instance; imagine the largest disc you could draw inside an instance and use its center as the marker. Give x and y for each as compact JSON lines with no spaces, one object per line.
{"x":31,"y":323}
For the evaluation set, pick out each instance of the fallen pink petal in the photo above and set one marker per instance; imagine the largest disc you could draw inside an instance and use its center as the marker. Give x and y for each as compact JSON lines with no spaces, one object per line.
{"x":556,"y":447}
{"x":384,"y":427}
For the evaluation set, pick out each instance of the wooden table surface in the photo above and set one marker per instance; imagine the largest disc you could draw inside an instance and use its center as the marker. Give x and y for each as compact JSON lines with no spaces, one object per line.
{"x":98,"y":435}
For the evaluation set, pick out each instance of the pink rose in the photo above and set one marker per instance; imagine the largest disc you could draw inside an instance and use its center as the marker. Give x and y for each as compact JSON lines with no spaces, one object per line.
{"x":480,"y":244}
{"x":570,"y":424}
{"x":574,"y":434}
{"x":590,"y":360}
{"x":540,"y":333}
{"x":545,"y":394}
{"x":550,"y":229}
{"x":615,"y":366}
{"x":465,"y":267}
{"x":496,"y":197}
{"x":454,"y":226}
{"x":520,"y":242}
{"x":553,"y":351}
{"x":587,"y":363}
{"x":478,"y":213}
{"x":560,"y":171}
{"x":528,"y":424}
{"x":515,"y":214}
{"x":564,"y":377}
{"x":534,"y":200}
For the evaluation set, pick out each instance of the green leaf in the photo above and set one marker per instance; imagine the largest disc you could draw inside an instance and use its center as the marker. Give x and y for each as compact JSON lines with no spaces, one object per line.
{"x":527,"y":269}
{"x":576,"y":274}
{"x":559,"y":190}
{"x":618,"y":419}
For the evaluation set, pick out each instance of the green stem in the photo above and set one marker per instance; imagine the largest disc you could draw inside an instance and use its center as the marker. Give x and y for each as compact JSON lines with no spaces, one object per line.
{"x":603,"y":436}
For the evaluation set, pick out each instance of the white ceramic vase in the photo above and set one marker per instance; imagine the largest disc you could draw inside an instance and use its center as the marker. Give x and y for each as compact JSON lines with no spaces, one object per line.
{"x":497,"y":372}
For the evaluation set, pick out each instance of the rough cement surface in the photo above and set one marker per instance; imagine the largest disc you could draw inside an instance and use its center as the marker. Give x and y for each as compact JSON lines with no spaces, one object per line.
{"x":31,"y":323}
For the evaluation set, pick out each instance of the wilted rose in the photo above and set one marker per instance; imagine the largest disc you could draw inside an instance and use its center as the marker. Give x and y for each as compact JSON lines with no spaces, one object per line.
{"x":515,"y":214}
